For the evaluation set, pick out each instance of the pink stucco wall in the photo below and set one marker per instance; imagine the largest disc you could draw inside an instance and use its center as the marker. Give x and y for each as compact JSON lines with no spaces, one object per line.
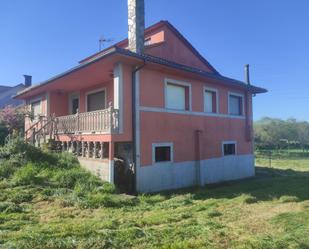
{"x":161,"y":127}
{"x":170,"y":48}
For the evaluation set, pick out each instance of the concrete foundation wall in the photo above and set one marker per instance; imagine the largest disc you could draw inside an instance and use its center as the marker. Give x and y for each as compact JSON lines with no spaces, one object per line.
{"x":165,"y":176}
{"x":98,"y":167}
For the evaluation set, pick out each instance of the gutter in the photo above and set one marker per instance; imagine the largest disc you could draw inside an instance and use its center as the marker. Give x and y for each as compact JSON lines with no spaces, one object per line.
{"x":134,"y":122}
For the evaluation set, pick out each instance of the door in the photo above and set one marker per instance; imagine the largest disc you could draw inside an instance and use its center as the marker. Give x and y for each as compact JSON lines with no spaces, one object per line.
{"x":74,"y":103}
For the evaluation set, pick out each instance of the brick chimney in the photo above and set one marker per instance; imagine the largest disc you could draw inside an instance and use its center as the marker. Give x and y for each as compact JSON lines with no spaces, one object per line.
{"x":136,"y":25}
{"x":28,"y":80}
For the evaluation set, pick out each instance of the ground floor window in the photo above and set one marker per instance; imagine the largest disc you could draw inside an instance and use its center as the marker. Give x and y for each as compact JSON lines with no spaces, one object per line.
{"x":162,"y":152}
{"x":36,"y":109}
{"x":229,"y":148}
{"x":96,"y":100}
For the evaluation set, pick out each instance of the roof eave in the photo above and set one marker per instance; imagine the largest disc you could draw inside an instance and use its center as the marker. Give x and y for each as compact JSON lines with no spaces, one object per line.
{"x":111,"y":51}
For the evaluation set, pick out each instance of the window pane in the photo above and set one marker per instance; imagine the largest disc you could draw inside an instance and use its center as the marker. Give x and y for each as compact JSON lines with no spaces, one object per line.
{"x":229,"y":149}
{"x":209,"y":101}
{"x":36,"y":108}
{"x":175,"y":97}
{"x":163,"y":154}
{"x":96,"y":101}
{"x":235,"y":105}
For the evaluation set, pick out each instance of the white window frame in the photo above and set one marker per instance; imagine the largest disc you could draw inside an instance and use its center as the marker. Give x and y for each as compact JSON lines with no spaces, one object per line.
{"x":72,"y":96}
{"x":205,"y":88}
{"x":242,"y":103}
{"x":179,"y":83}
{"x":228,"y":142}
{"x":167,"y":144}
{"x":95,"y":91}
{"x":41,"y":108}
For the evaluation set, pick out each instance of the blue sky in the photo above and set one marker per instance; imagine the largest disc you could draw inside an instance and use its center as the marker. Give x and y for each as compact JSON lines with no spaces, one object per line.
{"x":43,"y":38}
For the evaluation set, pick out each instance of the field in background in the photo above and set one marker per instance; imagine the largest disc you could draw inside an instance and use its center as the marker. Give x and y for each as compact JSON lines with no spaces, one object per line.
{"x":268,"y":211}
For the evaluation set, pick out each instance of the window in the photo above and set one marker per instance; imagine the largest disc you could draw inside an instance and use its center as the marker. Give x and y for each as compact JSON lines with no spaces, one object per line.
{"x":177,"y":96}
{"x":96,"y":101}
{"x":210,"y":100}
{"x":229,"y":148}
{"x":147,"y":41}
{"x":162,"y":152}
{"x":36,"y":108}
{"x":235,"y":104}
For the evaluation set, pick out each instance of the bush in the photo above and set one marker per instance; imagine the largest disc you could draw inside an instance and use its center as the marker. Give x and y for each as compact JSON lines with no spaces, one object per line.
{"x":288,"y":198}
{"x":20,"y":197}
{"x":249,"y":199}
{"x":10,"y":207}
{"x":25,"y":175}
{"x":101,"y":200}
{"x":106,"y":188}
{"x":67,"y":178}
{"x":7,"y":168}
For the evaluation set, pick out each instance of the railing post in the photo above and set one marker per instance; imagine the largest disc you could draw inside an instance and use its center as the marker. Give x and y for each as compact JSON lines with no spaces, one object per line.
{"x":77,"y":121}
{"x":111,"y":123}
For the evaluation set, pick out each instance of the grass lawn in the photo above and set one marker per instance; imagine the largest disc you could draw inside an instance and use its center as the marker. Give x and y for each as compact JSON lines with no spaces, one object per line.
{"x":268,"y":211}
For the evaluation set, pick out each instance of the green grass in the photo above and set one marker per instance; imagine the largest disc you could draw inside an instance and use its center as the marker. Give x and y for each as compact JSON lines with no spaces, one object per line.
{"x":268,"y":211}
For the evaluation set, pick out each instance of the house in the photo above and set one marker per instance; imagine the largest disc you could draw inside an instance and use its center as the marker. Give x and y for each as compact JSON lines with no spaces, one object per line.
{"x":154,"y":103}
{"x":8,"y":92}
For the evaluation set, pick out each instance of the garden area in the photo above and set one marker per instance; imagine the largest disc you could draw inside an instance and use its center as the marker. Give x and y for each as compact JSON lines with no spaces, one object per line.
{"x":48,"y":201}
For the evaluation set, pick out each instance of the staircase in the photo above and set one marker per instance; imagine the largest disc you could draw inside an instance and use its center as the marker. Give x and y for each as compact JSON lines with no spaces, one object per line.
{"x":42,"y":131}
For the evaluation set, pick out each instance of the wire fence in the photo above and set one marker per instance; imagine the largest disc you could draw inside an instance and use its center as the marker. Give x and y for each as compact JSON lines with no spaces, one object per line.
{"x":267,"y":157}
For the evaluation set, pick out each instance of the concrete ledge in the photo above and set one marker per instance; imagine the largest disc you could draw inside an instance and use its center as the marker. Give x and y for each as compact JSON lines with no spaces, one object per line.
{"x":99,"y":167}
{"x":166,"y":176}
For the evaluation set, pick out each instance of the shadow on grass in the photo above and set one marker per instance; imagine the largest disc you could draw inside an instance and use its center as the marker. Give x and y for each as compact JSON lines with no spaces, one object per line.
{"x":269,"y":183}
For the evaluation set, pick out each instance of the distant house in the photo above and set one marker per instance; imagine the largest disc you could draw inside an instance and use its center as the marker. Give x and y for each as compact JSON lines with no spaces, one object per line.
{"x":155,"y":102}
{"x":8,"y":92}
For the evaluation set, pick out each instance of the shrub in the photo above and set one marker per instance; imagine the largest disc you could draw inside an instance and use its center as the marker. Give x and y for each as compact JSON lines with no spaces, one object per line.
{"x":25,"y":175}
{"x":101,"y":200}
{"x":249,"y":199}
{"x":7,"y":168}
{"x":88,"y":183}
{"x":67,"y":178}
{"x":106,"y":188}
{"x":66,"y":160}
{"x":288,"y":198}
{"x":20,"y":197}
{"x":10,"y":207}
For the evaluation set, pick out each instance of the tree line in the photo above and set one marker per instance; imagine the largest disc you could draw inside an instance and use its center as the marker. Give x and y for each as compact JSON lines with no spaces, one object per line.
{"x":273,"y":133}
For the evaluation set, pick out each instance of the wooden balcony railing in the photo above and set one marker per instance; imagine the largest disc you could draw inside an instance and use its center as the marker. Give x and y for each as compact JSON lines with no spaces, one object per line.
{"x":101,"y":121}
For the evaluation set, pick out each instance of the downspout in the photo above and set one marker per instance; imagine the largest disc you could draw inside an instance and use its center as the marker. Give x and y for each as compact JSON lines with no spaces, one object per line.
{"x":198,"y":145}
{"x":248,"y":121}
{"x":134,"y":121}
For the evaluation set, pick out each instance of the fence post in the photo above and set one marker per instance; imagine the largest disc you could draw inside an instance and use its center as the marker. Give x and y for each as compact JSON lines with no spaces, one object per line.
{"x":270,"y":152}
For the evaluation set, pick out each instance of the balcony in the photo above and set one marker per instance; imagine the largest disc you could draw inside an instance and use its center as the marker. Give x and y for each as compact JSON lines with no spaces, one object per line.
{"x":96,"y":122}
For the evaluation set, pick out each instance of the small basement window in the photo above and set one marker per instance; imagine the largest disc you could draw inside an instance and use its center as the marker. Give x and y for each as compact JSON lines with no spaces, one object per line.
{"x":162,"y":153}
{"x":229,"y":148}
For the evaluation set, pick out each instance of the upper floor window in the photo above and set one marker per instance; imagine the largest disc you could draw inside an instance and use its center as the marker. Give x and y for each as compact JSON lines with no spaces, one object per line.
{"x":177,"y":95}
{"x":210,"y":100}
{"x":236,"y":104}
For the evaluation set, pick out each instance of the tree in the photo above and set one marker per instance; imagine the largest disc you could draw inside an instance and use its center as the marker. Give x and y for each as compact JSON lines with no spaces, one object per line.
{"x":12,"y":118}
{"x":271,"y":133}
